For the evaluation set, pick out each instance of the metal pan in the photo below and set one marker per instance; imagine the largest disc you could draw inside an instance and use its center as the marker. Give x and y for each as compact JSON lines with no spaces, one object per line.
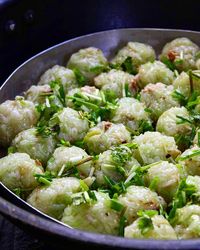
{"x":27,"y":74}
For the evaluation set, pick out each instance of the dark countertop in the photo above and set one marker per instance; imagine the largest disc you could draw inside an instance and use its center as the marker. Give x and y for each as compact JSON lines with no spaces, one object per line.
{"x":13,"y":238}
{"x":28,"y":27}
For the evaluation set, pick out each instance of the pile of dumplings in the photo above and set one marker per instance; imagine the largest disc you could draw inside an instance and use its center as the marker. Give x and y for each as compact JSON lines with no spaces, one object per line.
{"x":111,"y":147}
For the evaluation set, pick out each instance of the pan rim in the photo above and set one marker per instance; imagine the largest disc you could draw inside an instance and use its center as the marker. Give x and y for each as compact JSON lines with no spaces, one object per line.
{"x":92,"y":34}
{"x":66,"y":233}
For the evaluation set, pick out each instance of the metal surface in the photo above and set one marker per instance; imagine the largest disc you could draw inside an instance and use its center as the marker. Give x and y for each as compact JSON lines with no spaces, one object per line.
{"x":28,"y":74}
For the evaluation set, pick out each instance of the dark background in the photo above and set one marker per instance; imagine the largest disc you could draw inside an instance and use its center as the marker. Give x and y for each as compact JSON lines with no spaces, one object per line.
{"x":28,"y":27}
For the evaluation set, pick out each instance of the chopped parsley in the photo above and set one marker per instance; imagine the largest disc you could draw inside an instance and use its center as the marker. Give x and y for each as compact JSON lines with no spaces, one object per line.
{"x":193,"y":153}
{"x":184,"y":195}
{"x":94,"y":109}
{"x":11,"y":150}
{"x":22,"y":192}
{"x":115,"y":205}
{"x":64,"y":143}
{"x":128,"y":66}
{"x":144,"y":126}
{"x":182,"y":120}
{"x":136,"y":177}
{"x":81,"y":79}
{"x":115,"y":188}
{"x":154,"y":183}
{"x":122,"y":225}
{"x":58,"y":91}
{"x":44,"y":179}
{"x":145,"y":223}
{"x":120,"y":156}
{"x":198,"y":138}
{"x":148,"y":110}
{"x":54,"y":103}
{"x":177,"y":95}
{"x":84,"y":186}
{"x":98,"y":69}
{"x":170,"y":64}
{"x":88,"y":197}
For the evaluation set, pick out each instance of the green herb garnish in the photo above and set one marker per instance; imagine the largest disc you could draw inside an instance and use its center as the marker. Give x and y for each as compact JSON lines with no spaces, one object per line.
{"x":58,"y":90}
{"x":122,"y":225}
{"x":154,"y":183}
{"x":183,"y":120}
{"x":11,"y":150}
{"x":115,"y":188}
{"x":81,"y":79}
{"x":52,"y":105}
{"x":193,"y":153}
{"x":145,"y":223}
{"x":22,"y":192}
{"x":144,"y":126}
{"x":44,"y":179}
{"x":115,"y":205}
{"x":179,"y":97}
{"x":128,"y":66}
{"x":98,"y":109}
{"x":198,"y":138}
{"x":120,"y":155}
{"x":169,"y":63}
{"x":64,"y":143}
{"x":183,"y":195}
{"x":88,"y":197}
{"x":98,"y":69}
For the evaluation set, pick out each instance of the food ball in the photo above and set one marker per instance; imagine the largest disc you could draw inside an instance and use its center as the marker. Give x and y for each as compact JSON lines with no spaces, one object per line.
{"x":38,"y":94}
{"x":158,"y":98}
{"x":68,"y":158}
{"x":115,"y":82}
{"x":93,"y":216}
{"x":89,"y":61}
{"x":108,"y":165}
{"x":72,"y":126}
{"x":161,"y":229}
{"x":139,"y":198}
{"x":190,"y":158}
{"x":195,"y":181}
{"x":53,"y":199}
{"x":16,"y":116}
{"x":140,"y":53}
{"x":153,"y":72}
{"x":131,"y":113}
{"x":166,"y":177}
{"x":153,"y":147}
{"x":183,"y":83}
{"x":181,"y":52}
{"x":187,"y":222}
{"x":17,"y":170}
{"x":38,"y":147}
{"x":62,"y":75}
{"x":104,"y":135}
{"x":175,"y":122}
